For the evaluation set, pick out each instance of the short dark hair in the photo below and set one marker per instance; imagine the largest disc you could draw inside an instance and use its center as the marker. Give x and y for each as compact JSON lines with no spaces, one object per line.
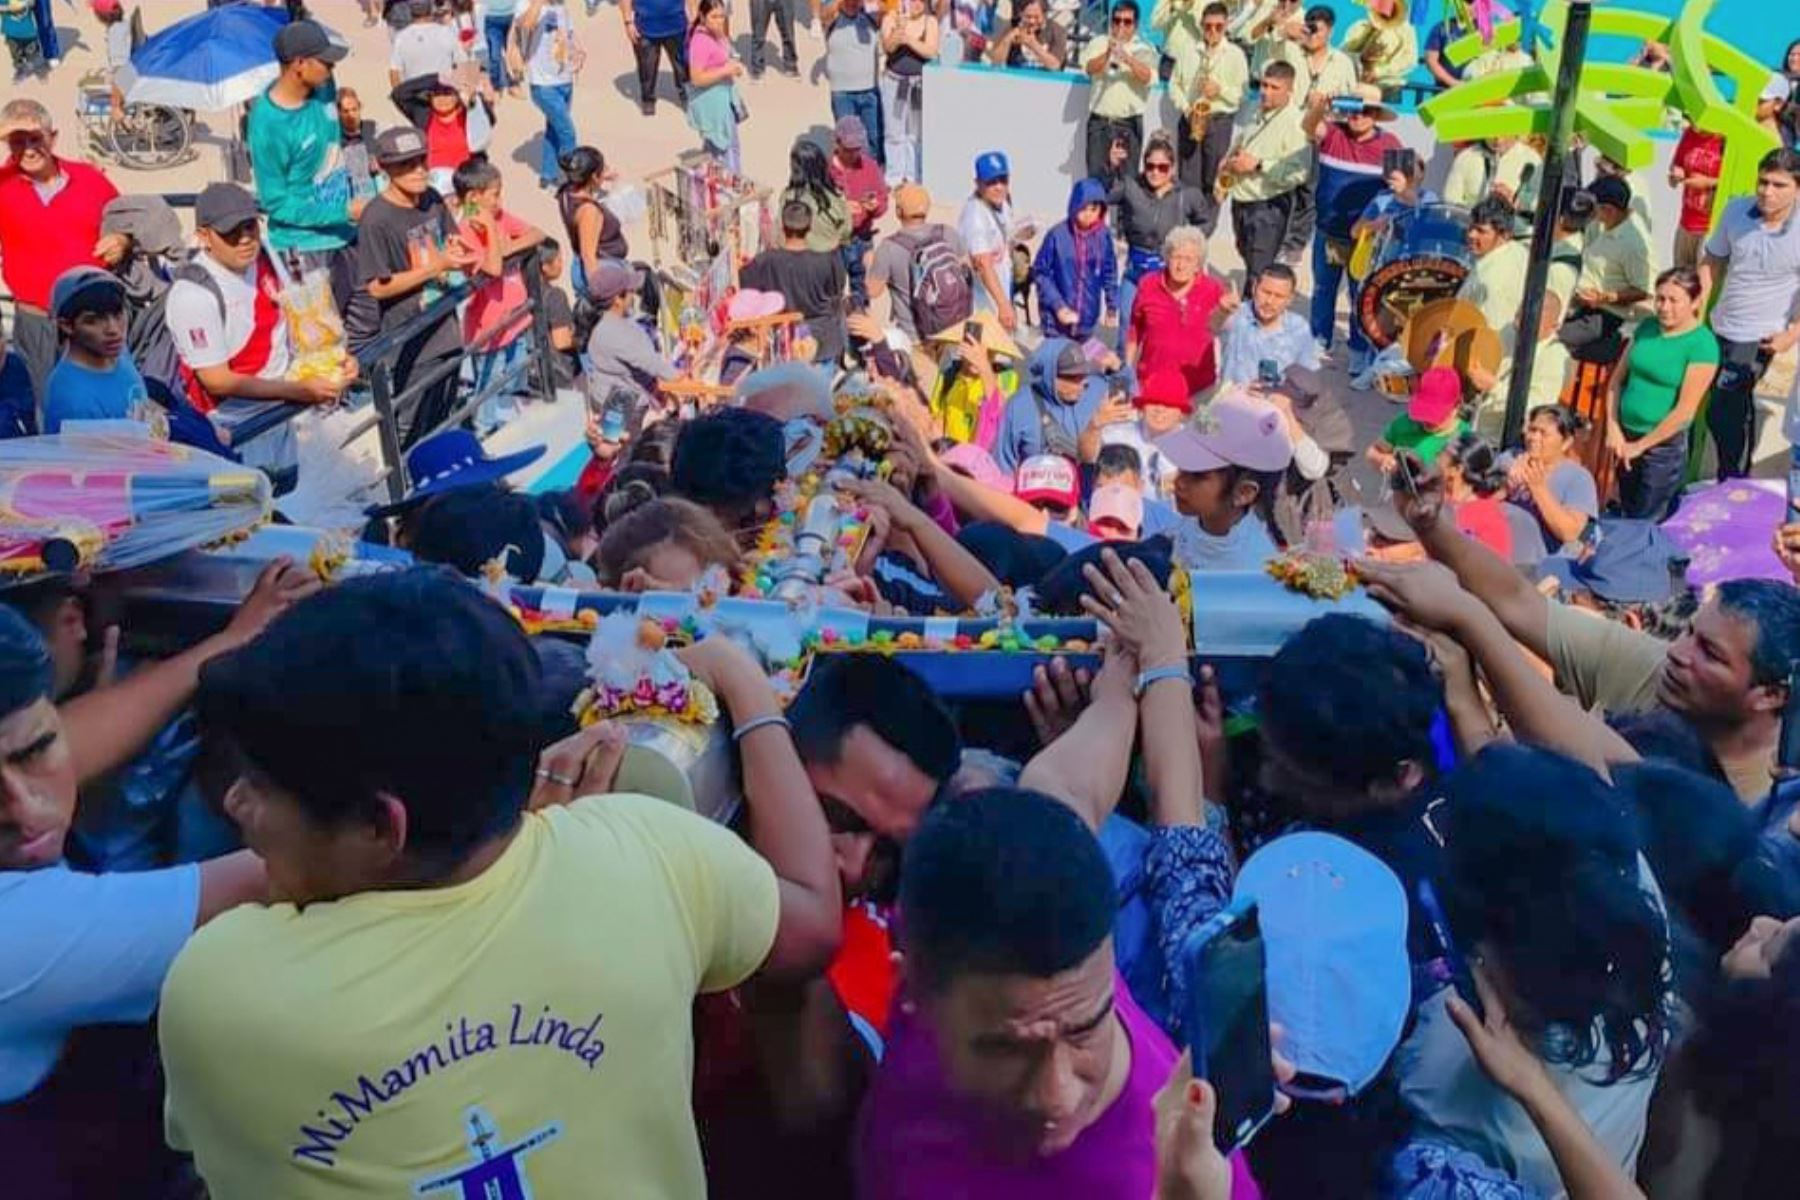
{"x":796,"y":218}
{"x":1493,"y":213}
{"x":1479,"y":461}
{"x":1130,"y":6}
{"x":1781,"y":159}
{"x":729,"y":459}
{"x":411,"y":684}
{"x":470,"y":527}
{"x":1280,"y":271}
{"x":1542,"y":859}
{"x":26,"y":672}
{"x":1321,"y":14}
{"x":1568,"y":422}
{"x":476,"y":174}
{"x":846,"y":690}
{"x":1003,"y":881}
{"x":1355,"y":698}
{"x":1117,"y":458}
{"x":1214,"y":9}
{"x":1772,"y":608}
{"x":1280,"y":71}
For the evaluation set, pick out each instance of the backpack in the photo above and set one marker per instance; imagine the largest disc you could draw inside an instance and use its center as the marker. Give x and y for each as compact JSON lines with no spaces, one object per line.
{"x":940,"y":287}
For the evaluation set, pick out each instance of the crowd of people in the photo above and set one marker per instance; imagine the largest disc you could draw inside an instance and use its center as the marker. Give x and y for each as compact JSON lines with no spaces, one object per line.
{"x":342,"y":899}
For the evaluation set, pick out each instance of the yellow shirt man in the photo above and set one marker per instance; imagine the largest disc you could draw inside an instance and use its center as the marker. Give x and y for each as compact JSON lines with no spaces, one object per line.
{"x":1281,"y":146}
{"x":1616,"y":260}
{"x":1385,"y":56}
{"x":1115,"y":94}
{"x":1224,"y":65}
{"x":1332,"y":76}
{"x":1496,"y":285}
{"x":524,"y":1033}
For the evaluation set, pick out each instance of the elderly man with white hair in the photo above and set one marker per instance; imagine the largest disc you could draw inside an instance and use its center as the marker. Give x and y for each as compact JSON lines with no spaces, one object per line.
{"x":50,"y":213}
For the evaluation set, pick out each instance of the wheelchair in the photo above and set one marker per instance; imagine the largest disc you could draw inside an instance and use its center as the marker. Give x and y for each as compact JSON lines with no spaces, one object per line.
{"x":144,"y":137}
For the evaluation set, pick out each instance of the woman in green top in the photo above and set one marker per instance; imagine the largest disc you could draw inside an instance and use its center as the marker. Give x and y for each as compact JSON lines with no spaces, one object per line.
{"x":809,"y":182}
{"x":1668,"y":365}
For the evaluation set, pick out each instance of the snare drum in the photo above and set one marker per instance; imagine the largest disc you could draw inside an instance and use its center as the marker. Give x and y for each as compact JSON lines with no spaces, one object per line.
{"x":1422,"y":257}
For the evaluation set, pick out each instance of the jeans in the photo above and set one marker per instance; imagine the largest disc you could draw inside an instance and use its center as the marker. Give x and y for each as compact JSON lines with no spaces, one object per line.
{"x":559,"y":128}
{"x":855,"y":254}
{"x":901,"y":117}
{"x":1327,"y":276}
{"x":783,"y":12}
{"x":503,"y":406}
{"x":866,"y":105}
{"x":495,"y":30}
{"x":646,"y":50}
{"x":1649,"y":487}
{"x":1731,"y":416}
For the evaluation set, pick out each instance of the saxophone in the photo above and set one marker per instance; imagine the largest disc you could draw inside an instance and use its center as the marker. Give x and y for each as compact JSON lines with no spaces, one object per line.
{"x":1201,"y":108}
{"x":1225,"y":180}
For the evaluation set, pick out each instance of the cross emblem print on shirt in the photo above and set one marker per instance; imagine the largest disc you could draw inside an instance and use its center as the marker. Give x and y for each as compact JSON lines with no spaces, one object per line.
{"x":494,"y":1174}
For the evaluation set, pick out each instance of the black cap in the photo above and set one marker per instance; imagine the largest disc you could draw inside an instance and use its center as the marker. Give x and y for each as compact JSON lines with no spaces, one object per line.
{"x":307,"y":39}
{"x":1611,"y":190}
{"x":224,"y":206}
{"x":399,"y":143}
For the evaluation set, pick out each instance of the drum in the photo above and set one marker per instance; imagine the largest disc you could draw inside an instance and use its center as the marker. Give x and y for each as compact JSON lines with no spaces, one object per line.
{"x":1422,"y":257}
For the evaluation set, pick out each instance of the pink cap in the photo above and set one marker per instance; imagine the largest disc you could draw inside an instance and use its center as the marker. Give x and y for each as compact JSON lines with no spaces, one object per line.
{"x":1232,"y":431}
{"x":977,"y":464}
{"x":750,"y":304}
{"x":1116,"y":512}
{"x":1048,"y":479}
{"x":105,"y":8}
{"x":1435,"y":397}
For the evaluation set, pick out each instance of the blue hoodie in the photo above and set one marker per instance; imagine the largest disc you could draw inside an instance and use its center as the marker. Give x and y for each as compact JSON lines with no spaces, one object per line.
{"x":1077,"y":270}
{"x":1022,"y":424}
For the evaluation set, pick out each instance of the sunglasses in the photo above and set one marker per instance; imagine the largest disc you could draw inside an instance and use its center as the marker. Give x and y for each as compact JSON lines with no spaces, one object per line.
{"x":1153,"y":165}
{"x":1127,"y":22}
{"x":405,"y":166}
{"x":237,"y":235}
{"x":1213,"y":26}
{"x":18,"y":143}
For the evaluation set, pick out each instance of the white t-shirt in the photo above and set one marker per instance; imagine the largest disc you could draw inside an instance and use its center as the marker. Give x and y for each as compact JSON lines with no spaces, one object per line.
{"x":82,"y":950}
{"x":551,"y":43}
{"x":205,"y":338}
{"x":985,"y":231}
{"x":425,"y":48}
{"x":1159,"y":472}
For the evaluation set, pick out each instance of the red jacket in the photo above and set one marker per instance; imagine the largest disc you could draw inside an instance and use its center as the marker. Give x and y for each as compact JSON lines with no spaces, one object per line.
{"x":40,"y":241}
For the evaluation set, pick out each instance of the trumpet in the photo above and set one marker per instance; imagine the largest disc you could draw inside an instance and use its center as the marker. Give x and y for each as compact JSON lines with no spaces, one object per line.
{"x":1381,"y":41}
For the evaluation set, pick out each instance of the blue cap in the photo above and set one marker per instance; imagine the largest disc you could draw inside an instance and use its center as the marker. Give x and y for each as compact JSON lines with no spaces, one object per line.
{"x":1628,"y":564}
{"x":991,"y":166}
{"x":450,"y":460}
{"x":1333,"y":920}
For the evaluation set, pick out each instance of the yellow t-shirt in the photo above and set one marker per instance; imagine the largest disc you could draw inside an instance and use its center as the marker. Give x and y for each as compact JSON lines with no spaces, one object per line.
{"x":1279,"y":143}
{"x":529,"y":1028}
{"x":1224,"y":64}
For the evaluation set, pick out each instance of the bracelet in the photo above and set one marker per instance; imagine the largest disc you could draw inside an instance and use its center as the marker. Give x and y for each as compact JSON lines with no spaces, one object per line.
{"x":1157,"y":675}
{"x":749,"y":727}
{"x":547,"y":774}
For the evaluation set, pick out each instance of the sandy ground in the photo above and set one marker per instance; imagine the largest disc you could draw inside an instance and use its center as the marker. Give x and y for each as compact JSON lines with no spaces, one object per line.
{"x":607,"y":116}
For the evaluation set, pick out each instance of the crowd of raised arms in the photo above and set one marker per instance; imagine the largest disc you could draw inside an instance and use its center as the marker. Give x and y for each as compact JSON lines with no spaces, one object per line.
{"x":349,"y":897}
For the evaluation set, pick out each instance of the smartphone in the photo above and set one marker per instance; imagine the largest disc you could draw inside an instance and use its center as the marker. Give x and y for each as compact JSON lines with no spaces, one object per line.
{"x":1347,"y":106}
{"x":1268,"y":373}
{"x":1400,"y":159}
{"x":1787,"y":752}
{"x":1228,"y":1021}
{"x":1793,"y":489}
{"x":1449,"y":966}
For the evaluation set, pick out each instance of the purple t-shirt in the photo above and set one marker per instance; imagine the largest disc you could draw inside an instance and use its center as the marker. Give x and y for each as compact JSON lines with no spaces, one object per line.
{"x":917,"y":1141}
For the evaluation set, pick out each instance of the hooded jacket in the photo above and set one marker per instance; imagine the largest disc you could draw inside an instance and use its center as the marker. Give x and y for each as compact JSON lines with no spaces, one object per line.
{"x":1077,"y":270}
{"x":1022,"y":424}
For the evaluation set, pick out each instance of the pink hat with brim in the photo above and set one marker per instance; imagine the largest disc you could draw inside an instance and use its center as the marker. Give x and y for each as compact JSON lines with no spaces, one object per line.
{"x":978,"y":465}
{"x":1232,"y":431}
{"x":750,"y":305}
{"x":1116,"y":512}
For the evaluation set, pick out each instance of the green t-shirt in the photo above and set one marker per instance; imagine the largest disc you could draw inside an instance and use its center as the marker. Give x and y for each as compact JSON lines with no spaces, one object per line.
{"x":1655,"y":369}
{"x":1404,"y":433}
{"x":302,"y":182}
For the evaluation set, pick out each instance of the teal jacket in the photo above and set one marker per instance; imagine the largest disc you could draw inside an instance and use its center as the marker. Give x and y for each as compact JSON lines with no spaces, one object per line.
{"x":301,"y":180}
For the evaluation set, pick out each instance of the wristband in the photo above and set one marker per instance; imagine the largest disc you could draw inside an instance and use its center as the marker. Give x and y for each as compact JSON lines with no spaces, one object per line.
{"x":1157,"y":675}
{"x":749,"y":727}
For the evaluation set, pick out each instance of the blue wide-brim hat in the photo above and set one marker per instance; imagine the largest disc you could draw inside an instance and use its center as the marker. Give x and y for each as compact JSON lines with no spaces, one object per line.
{"x":450,"y":460}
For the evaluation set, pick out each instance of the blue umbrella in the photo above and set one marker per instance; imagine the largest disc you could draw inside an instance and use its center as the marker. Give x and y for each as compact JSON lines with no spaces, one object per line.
{"x":207,"y":62}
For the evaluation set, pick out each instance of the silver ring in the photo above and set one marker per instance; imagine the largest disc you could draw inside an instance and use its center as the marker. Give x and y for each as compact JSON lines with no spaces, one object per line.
{"x":553,"y":777}
{"x":1115,"y":598}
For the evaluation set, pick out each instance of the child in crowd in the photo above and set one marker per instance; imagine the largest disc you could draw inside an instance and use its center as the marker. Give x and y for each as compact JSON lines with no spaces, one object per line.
{"x":1429,"y":424}
{"x":559,"y":315}
{"x":18,"y":407}
{"x":498,"y":313}
{"x":18,"y":24}
{"x":1076,"y":270}
{"x":357,"y":138}
{"x":451,"y":134}
{"x":95,"y":380}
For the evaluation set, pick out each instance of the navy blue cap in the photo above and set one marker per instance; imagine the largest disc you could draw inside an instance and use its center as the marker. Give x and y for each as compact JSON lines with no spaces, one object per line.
{"x":1629,"y":564}
{"x":450,"y":460}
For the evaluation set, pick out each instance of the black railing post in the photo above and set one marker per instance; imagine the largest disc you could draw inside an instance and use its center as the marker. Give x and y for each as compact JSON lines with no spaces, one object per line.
{"x":543,"y":371}
{"x":1543,"y":233}
{"x":381,"y":390}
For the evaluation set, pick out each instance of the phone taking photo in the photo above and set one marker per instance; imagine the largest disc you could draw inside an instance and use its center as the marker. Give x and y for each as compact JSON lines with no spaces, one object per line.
{"x":1228,"y":1021}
